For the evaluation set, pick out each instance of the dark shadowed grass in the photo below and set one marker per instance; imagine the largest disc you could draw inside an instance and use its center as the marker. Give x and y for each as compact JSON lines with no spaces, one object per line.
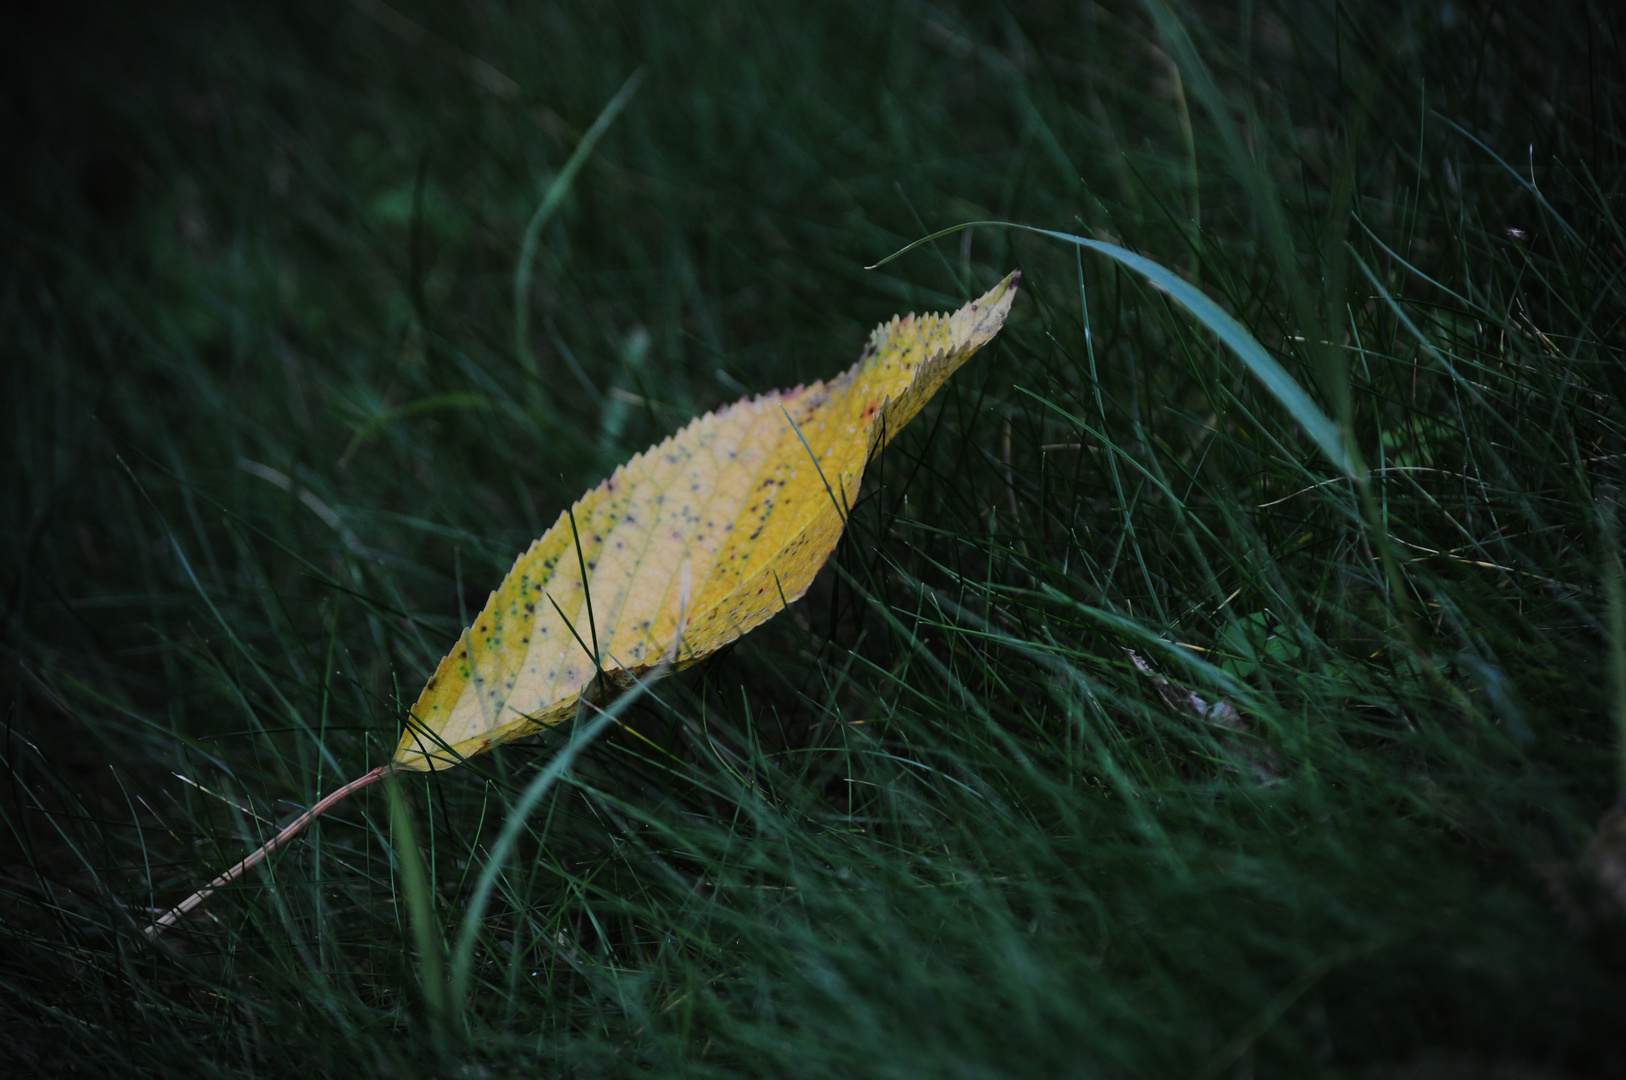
{"x":1130,"y":732}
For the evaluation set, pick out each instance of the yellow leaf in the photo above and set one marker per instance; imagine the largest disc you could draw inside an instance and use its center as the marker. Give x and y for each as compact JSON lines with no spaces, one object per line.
{"x":719,"y":527}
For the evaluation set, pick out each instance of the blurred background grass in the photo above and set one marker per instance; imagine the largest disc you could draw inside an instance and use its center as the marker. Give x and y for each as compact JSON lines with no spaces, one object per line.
{"x":1123,"y":736}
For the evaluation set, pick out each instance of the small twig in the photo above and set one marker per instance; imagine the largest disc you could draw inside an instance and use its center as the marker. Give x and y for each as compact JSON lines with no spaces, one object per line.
{"x":1220,"y":713}
{"x":291,"y":830}
{"x":1183,"y":700}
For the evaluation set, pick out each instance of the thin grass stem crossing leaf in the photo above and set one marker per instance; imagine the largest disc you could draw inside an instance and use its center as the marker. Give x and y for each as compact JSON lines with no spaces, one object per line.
{"x":746,"y":502}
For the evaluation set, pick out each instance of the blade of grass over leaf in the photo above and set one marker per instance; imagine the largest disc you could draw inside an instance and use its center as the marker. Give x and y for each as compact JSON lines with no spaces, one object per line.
{"x":514,"y":824}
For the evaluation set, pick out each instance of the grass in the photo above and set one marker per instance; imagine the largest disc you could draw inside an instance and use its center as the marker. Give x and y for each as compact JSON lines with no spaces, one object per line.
{"x":270,"y":440}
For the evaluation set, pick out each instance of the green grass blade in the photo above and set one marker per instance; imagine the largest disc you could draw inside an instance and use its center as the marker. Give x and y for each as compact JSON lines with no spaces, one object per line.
{"x":1282,"y":386}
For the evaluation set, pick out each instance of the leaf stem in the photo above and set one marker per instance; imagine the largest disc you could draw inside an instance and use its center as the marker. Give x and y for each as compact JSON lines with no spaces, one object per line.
{"x":259,"y":855}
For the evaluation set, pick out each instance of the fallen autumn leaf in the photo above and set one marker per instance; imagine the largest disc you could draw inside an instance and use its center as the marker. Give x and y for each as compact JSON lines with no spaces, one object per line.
{"x":689,"y":545}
